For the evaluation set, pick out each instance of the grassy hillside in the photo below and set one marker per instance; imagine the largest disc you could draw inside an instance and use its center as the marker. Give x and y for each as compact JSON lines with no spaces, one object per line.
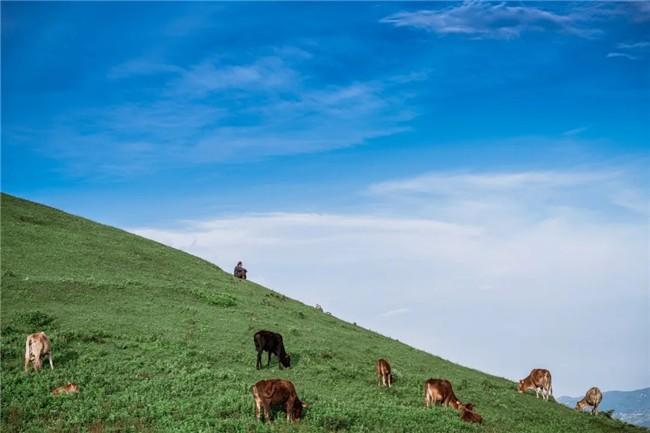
{"x":161,"y":341}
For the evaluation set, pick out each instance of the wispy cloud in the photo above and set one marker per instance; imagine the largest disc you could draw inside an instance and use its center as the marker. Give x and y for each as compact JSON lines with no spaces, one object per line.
{"x":266,"y":73}
{"x":575,"y":131}
{"x":215,"y":111}
{"x":621,"y":55}
{"x":630,"y":51}
{"x":461,"y":196}
{"x":490,"y":20}
{"x":634,"y":45}
{"x":450,"y":183}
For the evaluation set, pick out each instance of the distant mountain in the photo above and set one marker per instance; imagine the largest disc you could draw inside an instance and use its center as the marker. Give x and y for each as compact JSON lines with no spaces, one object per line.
{"x":629,"y":406}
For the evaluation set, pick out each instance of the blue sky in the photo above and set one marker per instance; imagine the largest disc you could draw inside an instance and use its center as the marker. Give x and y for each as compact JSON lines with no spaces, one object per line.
{"x":458,"y":139}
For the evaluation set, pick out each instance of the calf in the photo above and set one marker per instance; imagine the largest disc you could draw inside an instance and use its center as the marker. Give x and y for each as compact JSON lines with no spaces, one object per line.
{"x":540,"y":380}
{"x":384,"y":375}
{"x":271,"y":342}
{"x":37,"y":346}
{"x":468,"y":414}
{"x":440,"y":391}
{"x":592,"y":398}
{"x":69,"y":388}
{"x":277,"y":392}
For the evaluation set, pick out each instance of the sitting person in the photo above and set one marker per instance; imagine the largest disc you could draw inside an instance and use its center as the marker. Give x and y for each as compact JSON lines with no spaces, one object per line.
{"x":240,"y":271}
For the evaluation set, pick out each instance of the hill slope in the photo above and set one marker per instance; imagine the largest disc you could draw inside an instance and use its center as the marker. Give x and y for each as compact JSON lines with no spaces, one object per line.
{"x":159,"y":340}
{"x":630,"y":406}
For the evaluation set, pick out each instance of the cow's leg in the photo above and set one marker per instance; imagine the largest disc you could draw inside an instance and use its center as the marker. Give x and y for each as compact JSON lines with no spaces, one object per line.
{"x":267,"y":412}
{"x":536,"y":392}
{"x":27,"y":354}
{"x":257,"y":409}
{"x":378,"y":380}
{"x":388,"y":380}
{"x":269,"y":363}
{"x":49,"y":356}
{"x":258,"y":364}
{"x":595,"y":411}
{"x":289,"y":407}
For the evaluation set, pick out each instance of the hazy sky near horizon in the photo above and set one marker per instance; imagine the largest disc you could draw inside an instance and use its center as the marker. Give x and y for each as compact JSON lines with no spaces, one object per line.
{"x":471,"y":178}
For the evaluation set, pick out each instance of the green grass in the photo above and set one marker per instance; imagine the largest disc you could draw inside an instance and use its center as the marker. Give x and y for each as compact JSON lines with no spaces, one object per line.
{"x":161,"y":341}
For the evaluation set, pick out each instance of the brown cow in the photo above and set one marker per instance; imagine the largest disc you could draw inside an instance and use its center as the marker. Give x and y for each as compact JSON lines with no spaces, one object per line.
{"x":468,"y":414}
{"x":276,"y":392}
{"x":384,"y":374}
{"x":440,"y":391}
{"x":69,"y":388}
{"x":592,"y":398}
{"x":37,"y":346}
{"x":540,"y":380}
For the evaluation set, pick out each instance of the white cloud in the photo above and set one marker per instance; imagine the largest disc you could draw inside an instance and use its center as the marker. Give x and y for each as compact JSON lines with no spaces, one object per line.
{"x":266,"y":73}
{"x":214,"y":111}
{"x":634,"y":45}
{"x":566,"y":274}
{"x":575,"y":131}
{"x":492,"y":20}
{"x":453,"y":183}
{"x":638,"y":49}
{"x":621,"y":55}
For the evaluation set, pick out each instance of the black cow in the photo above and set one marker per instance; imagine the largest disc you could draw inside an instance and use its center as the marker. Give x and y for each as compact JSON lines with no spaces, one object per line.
{"x":267,"y":341}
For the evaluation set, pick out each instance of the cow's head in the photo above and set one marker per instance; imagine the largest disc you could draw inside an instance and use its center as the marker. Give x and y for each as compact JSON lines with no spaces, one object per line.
{"x":580,"y":405}
{"x":298,"y":407}
{"x":467,"y":414}
{"x":285,"y":360}
{"x":520,"y":387}
{"x":391,"y":379}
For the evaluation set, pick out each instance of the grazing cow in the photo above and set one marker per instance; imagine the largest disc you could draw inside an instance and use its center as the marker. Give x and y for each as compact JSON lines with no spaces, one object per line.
{"x":540,"y":380}
{"x":69,"y":388}
{"x":384,"y":375}
{"x":240,"y":271}
{"x":440,"y":391}
{"x":37,"y":346}
{"x":276,"y":392}
{"x":468,"y":414}
{"x":592,"y":398}
{"x":271,"y":342}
